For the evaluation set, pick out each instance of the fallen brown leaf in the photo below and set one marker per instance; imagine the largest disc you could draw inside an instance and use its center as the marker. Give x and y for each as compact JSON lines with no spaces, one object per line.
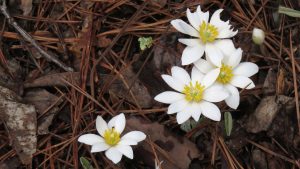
{"x":176,"y":152}
{"x":55,"y":79}
{"x":265,"y":113}
{"x":44,"y":102}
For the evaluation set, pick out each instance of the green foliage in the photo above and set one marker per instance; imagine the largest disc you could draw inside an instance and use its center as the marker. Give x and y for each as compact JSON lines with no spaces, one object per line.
{"x":145,"y":42}
{"x":289,"y":11}
{"x":85,"y":163}
{"x":190,"y":124}
{"x":228,"y":123}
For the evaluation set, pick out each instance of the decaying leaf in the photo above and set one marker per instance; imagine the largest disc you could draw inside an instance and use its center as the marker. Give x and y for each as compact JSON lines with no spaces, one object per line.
{"x":139,"y":91}
{"x":46,"y":104}
{"x":55,"y":79}
{"x":20,"y":120}
{"x":176,"y":152}
{"x":265,"y":112}
{"x":26,"y":6}
{"x":269,"y":86}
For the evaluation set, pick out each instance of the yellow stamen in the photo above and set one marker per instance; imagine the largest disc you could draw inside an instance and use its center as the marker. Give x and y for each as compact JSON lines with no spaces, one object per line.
{"x":208,"y":32}
{"x":111,"y":137}
{"x":193,"y":93}
{"x":225,"y":74}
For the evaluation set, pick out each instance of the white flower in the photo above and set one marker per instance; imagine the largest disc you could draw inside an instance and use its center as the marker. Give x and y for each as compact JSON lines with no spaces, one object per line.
{"x":232,"y":74}
{"x":258,"y":36}
{"x":194,"y":95}
{"x":110,"y":139}
{"x":211,"y":36}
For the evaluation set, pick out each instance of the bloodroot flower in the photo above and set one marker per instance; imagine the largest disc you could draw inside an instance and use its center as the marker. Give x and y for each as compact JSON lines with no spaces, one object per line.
{"x":211,"y":36}
{"x":110,"y":139}
{"x":194,"y":94}
{"x":232,"y":74}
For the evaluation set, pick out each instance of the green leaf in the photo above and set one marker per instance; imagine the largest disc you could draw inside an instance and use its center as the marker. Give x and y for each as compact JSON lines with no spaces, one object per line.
{"x":289,"y":11}
{"x":85,"y":163}
{"x":190,"y":124}
{"x":145,"y":42}
{"x":228,"y":123}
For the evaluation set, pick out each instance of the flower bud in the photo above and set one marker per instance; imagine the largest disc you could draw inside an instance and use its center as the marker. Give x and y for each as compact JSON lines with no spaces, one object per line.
{"x":258,"y":36}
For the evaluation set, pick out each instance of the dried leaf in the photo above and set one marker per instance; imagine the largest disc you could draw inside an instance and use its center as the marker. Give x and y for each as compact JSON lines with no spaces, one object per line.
{"x":140,"y":92}
{"x":42,"y":100}
{"x":55,"y":79}
{"x":269,"y":86}
{"x":20,"y":120}
{"x":265,"y":112}
{"x":26,"y":6}
{"x":177,"y":152}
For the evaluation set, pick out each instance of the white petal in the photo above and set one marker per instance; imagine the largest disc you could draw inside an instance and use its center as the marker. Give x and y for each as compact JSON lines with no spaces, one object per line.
{"x":192,"y":54}
{"x":196,"y":115}
{"x":194,"y":109}
{"x":204,"y":16}
{"x":193,"y":18}
{"x":135,"y":135}
{"x":127,"y":142}
{"x":180,"y":74}
{"x":101,"y":125}
{"x":112,"y":122}
{"x":173,"y":83}
{"x":177,"y":106}
{"x":120,"y":123}
{"x":125,"y":150}
{"x":114,"y":155}
{"x":191,"y":42}
{"x":191,"y":110}
{"x":185,"y":28}
{"x":204,"y":66}
{"x":183,"y":116}
{"x":90,"y":139}
{"x":215,"y":93}
{"x":210,"y":77}
{"x":234,"y":59}
{"x":99,"y":147}
{"x":246,"y":69}
{"x":210,"y":111}
{"x":233,"y":100}
{"x":224,"y":28}
{"x":226,"y":46}
{"x":196,"y":75}
{"x":242,"y":82}
{"x":169,"y":97}
{"x":213,"y":54}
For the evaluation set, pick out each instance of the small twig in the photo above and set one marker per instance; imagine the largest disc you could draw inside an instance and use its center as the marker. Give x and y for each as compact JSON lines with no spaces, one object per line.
{"x":27,"y":37}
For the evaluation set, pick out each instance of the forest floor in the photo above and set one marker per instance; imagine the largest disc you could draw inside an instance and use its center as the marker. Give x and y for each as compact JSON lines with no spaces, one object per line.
{"x":96,"y":67}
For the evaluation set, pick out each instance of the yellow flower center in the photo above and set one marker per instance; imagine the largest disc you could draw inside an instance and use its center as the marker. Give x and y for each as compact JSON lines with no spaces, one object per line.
{"x":208,"y":32}
{"x":193,"y":93}
{"x":111,"y":137}
{"x":225,"y":74}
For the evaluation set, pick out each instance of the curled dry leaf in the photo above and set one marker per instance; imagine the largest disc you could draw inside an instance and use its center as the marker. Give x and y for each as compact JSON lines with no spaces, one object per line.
{"x":176,"y":152}
{"x":265,"y":113}
{"x":20,"y":120}
{"x":45,"y":104}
